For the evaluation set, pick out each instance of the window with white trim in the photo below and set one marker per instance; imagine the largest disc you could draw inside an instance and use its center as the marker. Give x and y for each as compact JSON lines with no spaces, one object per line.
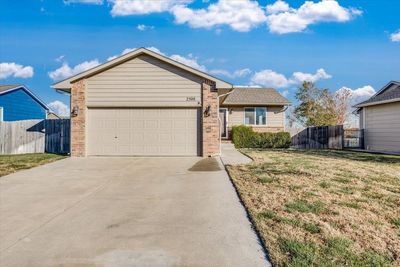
{"x":255,"y":116}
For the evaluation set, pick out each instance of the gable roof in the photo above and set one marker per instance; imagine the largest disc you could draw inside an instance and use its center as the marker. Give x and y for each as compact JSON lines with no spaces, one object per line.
{"x":66,"y":84}
{"x":255,"y":96}
{"x":9,"y":88}
{"x":389,"y":93}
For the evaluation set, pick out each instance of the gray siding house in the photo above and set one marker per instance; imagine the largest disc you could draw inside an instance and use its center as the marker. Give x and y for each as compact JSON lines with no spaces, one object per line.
{"x":380,"y":119}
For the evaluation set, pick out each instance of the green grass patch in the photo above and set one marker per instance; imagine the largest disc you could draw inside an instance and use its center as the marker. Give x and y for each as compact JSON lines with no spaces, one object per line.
{"x":13,"y":163}
{"x":265,"y":179}
{"x":336,"y":251}
{"x":270,"y":215}
{"x":305,"y":206}
{"x":324,"y":184}
{"x":396,"y":222}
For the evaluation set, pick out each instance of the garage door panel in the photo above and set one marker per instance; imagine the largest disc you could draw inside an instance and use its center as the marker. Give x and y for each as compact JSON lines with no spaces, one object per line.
{"x":143,"y":132}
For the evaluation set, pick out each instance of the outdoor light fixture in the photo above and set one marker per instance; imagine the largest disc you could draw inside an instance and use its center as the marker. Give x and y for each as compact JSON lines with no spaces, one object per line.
{"x":207,"y":111}
{"x":230,"y":111}
{"x":75,"y":111}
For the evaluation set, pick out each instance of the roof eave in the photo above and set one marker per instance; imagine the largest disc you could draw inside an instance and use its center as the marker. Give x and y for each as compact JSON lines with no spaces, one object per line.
{"x":377,"y":103}
{"x":257,"y":104}
{"x":380,"y":91}
{"x":66,"y":83}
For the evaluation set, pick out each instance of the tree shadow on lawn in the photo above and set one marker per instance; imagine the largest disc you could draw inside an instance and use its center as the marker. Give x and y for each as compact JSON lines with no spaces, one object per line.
{"x":344,"y":154}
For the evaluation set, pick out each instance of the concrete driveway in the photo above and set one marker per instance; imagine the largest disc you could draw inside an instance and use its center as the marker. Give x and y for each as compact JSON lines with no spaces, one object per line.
{"x":124,"y":212}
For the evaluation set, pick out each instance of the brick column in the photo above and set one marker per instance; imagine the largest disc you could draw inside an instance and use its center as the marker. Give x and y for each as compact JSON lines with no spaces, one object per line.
{"x":210,"y":124}
{"x":78,"y":123}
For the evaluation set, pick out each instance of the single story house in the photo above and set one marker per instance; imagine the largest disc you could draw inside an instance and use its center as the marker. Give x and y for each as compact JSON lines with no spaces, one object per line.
{"x":17,"y":102}
{"x":145,"y":104}
{"x":261,"y":108}
{"x":380,"y":119}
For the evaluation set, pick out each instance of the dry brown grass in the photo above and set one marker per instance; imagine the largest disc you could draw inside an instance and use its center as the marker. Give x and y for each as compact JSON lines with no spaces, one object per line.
{"x":322,"y":207}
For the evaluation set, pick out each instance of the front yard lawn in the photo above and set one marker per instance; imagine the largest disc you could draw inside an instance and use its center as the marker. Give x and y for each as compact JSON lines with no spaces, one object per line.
{"x":324,"y":208}
{"x":14,"y":163}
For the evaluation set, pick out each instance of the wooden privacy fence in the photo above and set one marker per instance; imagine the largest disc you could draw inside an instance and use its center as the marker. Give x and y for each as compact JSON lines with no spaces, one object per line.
{"x":57,"y":136}
{"x":35,"y":136}
{"x":323,"y":137}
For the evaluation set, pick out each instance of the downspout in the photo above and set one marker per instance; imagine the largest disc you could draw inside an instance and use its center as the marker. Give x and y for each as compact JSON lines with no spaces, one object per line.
{"x":219,"y":122}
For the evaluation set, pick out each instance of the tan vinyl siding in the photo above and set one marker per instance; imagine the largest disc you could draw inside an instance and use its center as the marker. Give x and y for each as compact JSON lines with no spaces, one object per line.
{"x":382,"y":124}
{"x":144,"y":82}
{"x":275,"y":118}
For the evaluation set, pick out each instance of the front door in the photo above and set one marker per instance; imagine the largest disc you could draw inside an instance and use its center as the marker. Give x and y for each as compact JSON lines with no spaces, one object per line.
{"x":223,"y":113}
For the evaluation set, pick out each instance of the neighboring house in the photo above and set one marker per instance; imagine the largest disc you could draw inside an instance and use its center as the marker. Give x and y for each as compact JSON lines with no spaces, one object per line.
{"x":17,"y":102}
{"x":261,"y":108}
{"x":380,"y":119}
{"x":146,"y":104}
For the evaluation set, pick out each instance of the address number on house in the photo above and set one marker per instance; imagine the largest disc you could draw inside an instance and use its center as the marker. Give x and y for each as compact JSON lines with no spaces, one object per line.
{"x":190,"y":98}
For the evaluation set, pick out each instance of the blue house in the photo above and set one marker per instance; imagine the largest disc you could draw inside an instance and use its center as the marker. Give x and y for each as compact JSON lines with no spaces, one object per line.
{"x":18,"y":103}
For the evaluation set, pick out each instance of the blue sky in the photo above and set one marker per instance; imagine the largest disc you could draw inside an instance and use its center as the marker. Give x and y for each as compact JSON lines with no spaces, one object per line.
{"x":345,"y":43}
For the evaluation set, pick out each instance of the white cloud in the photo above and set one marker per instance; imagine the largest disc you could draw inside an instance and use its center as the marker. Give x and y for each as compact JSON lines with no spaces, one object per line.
{"x":125,"y":51}
{"x":236,"y":74}
{"x":356,"y":96}
{"x":285,"y":93}
{"x":59,"y":108}
{"x":60,"y":58}
{"x":278,"y":6}
{"x":93,"y":2}
{"x":239,"y":15}
{"x":288,"y":20}
{"x":395,"y":37}
{"x":66,"y":71}
{"x":189,"y":61}
{"x":137,"y":7}
{"x":15,"y":70}
{"x":270,"y":78}
{"x":299,"y":77}
{"x":142,"y":27}
{"x":360,"y":94}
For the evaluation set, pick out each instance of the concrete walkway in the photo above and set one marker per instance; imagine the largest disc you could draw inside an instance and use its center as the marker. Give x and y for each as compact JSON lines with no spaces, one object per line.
{"x":124,"y":212}
{"x":230,"y":155}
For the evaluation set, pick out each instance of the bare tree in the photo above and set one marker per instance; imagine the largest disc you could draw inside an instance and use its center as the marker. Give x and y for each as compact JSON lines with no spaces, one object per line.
{"x":342,"y":105}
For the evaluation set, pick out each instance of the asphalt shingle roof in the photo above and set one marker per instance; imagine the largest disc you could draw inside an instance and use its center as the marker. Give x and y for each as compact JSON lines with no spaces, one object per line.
{"x":392,"y":92}
{"x":255,"y":96}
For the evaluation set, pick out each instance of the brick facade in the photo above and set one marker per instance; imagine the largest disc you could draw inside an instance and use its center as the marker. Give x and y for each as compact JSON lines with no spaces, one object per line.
{"x":78,"y":123}
{"x":210,"y":126}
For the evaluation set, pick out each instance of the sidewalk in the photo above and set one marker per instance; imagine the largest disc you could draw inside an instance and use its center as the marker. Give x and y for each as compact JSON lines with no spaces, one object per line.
{"x":231,"y":156}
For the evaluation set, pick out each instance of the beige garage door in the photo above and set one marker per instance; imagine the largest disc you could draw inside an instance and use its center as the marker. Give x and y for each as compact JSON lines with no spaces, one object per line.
{"x":143,"y":132}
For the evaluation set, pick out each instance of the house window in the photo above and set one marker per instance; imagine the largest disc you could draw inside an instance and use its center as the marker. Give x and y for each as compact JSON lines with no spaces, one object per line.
{"x":255,"y":116}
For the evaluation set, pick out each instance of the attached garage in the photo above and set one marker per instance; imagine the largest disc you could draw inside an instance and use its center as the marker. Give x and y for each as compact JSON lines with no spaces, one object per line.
{"x":143,"y":132}
{"x":143,"y":104}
